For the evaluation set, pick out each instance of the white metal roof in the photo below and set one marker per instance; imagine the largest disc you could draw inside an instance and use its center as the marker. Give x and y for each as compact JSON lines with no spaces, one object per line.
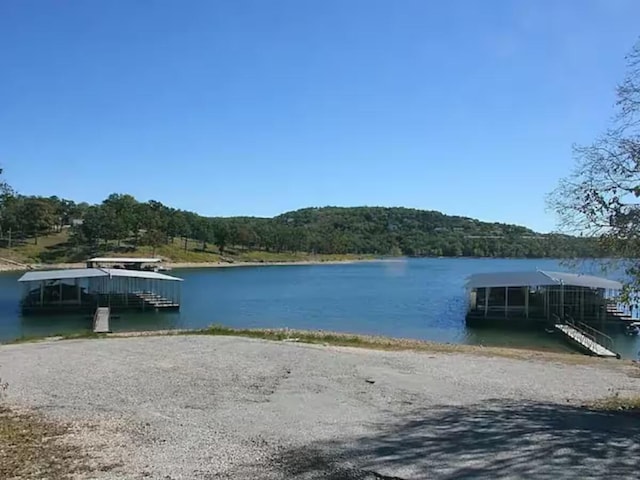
{"x":124,"y":260}
{"x":72,"y":273}
{"x":39,"y":275}
{"x":539,"y":278}
{"x":119,"y":272}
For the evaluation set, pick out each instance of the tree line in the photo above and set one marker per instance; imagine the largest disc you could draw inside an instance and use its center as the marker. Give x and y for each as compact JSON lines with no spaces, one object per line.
{"x":121,"y":220}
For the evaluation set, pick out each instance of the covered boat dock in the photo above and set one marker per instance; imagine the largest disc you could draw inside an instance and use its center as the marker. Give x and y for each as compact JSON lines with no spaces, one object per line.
{"x":86,"y":289}
{"x":539,"y":295}
{"x":571,"y":304}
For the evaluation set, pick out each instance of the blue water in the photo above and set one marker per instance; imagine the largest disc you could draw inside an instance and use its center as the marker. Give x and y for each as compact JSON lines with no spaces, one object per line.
{"x":417,"y":298}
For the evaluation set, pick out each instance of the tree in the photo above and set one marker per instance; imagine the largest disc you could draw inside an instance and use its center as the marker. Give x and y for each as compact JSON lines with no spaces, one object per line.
{"x":221,"y":235}
{"x":122,"y":215}
{"x":94,"y":228}
{"x":154,"y":238}
{"x":601,"y":196}
{"x":38,"y":215}
{"x":202,"y":231}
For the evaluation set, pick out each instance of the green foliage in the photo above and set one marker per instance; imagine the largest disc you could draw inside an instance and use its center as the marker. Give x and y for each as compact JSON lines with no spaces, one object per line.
{"x":122,"y":224}
{"x":601,"y":196}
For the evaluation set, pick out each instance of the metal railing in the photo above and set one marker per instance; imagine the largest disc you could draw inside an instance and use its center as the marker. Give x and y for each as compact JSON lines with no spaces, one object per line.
{"x":588,"y":331}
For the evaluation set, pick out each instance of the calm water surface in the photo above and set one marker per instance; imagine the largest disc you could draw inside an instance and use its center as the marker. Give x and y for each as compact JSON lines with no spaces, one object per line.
{"x":421,"y":298}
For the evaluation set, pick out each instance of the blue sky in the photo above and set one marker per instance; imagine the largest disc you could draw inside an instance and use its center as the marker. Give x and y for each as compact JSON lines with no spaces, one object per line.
{"x":258,"y":107}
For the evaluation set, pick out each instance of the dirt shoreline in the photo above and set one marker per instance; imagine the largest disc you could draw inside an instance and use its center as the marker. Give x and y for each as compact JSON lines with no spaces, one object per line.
{"x":17,"y":267}
{"x":203,"y":407}
{"x":328,"y":338}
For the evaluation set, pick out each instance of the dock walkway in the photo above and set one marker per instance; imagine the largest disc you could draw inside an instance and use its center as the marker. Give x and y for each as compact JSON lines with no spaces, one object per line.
{"x":101,"y":320}
{"x":584,"y":341}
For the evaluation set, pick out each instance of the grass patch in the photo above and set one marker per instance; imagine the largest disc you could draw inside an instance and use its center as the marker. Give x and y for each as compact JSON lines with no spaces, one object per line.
{"x":56,"y":248}
{"x":273,"y":257}
{"x":391,"y":344}
{"x":373,"y":342}
{"x":56,"y":336}
{"x":31,"y":447}
{"x":616,"y":403}
{"x":50,"y":248}
{"x":175,"y":252}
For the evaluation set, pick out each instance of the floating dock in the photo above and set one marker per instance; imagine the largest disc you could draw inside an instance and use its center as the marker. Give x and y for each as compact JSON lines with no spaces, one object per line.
{"x":101,"y":320}
{"x":85,"y":289}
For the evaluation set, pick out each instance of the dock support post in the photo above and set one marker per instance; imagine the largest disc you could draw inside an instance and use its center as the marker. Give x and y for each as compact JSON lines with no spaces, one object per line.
{"x":506,"y":301}
{"x":526,"y":302}
{"x":78,"y":291}
{"x":41,"y":293}
{"x":546,"y":303}
{"x":487,"y":291}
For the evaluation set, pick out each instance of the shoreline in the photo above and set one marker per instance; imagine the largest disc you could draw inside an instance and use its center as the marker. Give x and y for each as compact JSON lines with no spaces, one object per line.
{"x":193,"y":405}
{"x":327,"y":338}
{"x":16,"y":267}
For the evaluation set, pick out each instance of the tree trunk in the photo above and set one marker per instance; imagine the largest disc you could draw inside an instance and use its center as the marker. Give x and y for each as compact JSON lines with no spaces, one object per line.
{"x":186,"y":240}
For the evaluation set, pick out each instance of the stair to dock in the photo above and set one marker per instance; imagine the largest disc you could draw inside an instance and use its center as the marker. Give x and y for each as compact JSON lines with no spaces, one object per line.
{"x":588,"y":338}
{"x":615,"y":313}
{"x":156,"y":301}
{"x":101,"y":320}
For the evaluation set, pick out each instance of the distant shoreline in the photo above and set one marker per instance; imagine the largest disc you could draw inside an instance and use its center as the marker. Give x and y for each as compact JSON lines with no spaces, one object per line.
{"x":16,"y":267}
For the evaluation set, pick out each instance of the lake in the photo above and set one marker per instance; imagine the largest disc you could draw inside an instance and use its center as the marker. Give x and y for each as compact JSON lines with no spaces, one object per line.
{"x":415,"y":298}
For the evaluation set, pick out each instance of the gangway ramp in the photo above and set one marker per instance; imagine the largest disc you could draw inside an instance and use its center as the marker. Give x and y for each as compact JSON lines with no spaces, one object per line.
{"x":101,"y":320}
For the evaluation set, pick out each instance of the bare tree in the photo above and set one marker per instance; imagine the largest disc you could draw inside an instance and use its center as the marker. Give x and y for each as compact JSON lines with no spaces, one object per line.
{"x":601,"y":197}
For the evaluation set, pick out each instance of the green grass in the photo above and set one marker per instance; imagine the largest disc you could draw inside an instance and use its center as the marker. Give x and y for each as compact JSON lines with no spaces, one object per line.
{"x":32,"y":447}
{"x":360,"y":341}
{"x":261,"y":256}
{"x":52,"y":248}
{"x":616,"y":403}
{"x":57,"y":336}
{"x":56,"y":248}
{"x":175,"y":252}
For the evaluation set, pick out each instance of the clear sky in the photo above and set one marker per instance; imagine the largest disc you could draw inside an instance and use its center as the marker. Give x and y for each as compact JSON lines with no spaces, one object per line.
{"x":242,"y":107}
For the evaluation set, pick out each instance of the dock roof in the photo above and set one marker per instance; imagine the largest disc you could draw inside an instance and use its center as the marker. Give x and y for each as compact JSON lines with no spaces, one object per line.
{"x":73,"y":273}
{"x":539,"y":278}
{"x":124,"y":260}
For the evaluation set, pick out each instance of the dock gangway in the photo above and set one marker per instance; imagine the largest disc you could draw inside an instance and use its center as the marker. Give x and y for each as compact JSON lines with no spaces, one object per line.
{"x":586,"y":337}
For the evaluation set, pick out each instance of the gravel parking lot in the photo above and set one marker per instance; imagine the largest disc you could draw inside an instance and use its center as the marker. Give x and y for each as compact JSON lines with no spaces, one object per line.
{"x":205,"y":407}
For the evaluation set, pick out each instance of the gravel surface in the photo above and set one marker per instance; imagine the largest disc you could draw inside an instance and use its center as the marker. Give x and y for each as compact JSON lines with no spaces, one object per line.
{"x":206,"y":407}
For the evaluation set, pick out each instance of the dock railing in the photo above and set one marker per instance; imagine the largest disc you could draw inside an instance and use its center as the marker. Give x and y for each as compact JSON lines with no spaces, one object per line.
{"x":590,"y":332}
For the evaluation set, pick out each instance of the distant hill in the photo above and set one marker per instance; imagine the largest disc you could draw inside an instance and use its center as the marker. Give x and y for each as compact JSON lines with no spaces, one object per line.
{"x":122,"y":224}
{"x":426,"y":233}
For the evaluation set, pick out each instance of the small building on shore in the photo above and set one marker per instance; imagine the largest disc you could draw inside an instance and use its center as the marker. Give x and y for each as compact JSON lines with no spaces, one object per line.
{"x":83,"y":290}
{"x":519,"y":298}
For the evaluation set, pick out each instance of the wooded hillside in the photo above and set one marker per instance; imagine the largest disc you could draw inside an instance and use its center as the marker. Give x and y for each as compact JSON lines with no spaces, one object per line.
{"x":120,"y":221}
